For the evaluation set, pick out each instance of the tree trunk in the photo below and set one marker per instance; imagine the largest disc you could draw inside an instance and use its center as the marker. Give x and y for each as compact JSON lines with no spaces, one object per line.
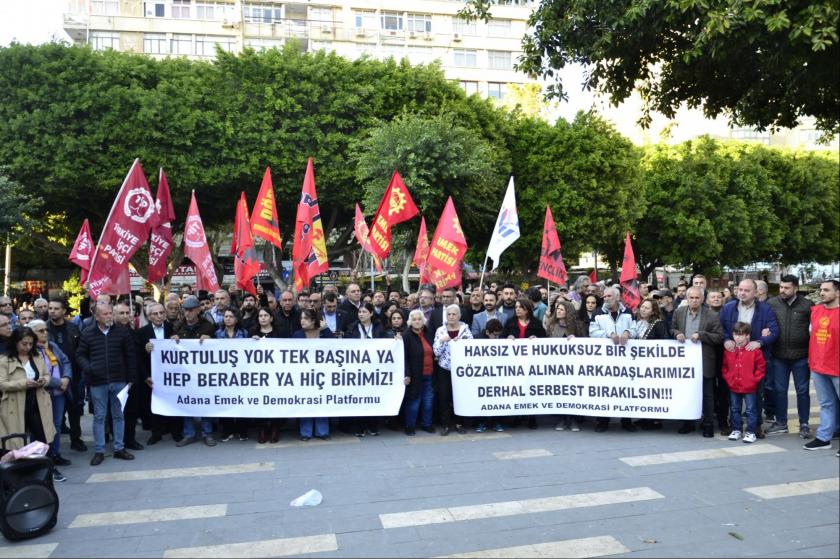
{"x":406,"y":268}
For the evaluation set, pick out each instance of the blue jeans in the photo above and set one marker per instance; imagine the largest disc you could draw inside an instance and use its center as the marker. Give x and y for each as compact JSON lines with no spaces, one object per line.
{"x":828,"y":394}
{"x":735,"y":401}
{"x":322,"y":426}
{"x":58,"y":418}
{"x":412,"y":407}
{"x":189,"y":426}
{"x":101,"y":396}
{"x":779,"y":371}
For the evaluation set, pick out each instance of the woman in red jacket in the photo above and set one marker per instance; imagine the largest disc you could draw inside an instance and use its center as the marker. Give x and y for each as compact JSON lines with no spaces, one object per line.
{"x":743,"y":370}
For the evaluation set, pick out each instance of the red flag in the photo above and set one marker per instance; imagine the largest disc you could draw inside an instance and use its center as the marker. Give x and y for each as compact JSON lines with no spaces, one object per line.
{"x":197,"y":250}
{"x":309,"y":251}
{"x":395,"y":207}
{"x":447,"y":249}
{"x":246,"y":264}
{"x":160,"y":243}
{"x":630,"y":295}
{"x":82,"y":250}
{"x":421,"y":252}
{"x":361,"y":230}
{"x":551,"y":257}
{"x":126,"y":229}
{"x":264,"y":221}
{"x":593,"y":277}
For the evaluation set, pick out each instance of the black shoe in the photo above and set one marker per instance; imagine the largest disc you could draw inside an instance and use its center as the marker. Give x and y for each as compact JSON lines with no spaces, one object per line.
{"x":601,"y":427}
{"x":532,"y":423}
{"x":123,"y":454}
{"x":462,"y":430}
{"x":61,"y":461}
{"x":97,"y":459}
{"x":444,"y":432}
{"x":410,"y":432}
{"x":323,"y":437}
{"x":65,"y":430}
{"x":429,"y":429}
{"x":305,"y":438}
{"x":134,"y":445}
{"x":708,"y":432}
{"x":628,"y":426}
{"x":58,"y":476}
{"x":78,"y":445}
{"x":177,"y":437}
{"x":154,"y":439}
{"x":373,"y":432}
{"x":686,"y":428}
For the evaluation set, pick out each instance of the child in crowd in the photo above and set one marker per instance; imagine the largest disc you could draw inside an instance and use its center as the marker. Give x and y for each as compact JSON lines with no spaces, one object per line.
{"x":743,"y":370}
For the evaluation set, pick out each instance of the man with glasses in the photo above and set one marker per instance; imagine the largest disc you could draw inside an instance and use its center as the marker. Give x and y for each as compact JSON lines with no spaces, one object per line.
{"x":7,"y":310}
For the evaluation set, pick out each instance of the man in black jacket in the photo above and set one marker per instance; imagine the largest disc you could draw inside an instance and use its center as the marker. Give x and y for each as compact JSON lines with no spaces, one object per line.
{"x":66,"y":335}
{"x":335,"y":319}
{"x":790,"y":356}
{"x":156,"y":329}
{"x":287,"y":317}
{"x":106,"y":356}
{"x":352,"y":301}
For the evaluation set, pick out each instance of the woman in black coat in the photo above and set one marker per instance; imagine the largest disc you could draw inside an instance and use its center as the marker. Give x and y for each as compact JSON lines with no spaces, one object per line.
{"x":366,"y":328}
{"x":419,"y":372}
{"x":524,"y":325}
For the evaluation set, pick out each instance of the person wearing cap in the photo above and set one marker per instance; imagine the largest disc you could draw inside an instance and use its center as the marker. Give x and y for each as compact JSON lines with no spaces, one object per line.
{"x":194,"y":327}
{"x":665,"y":298}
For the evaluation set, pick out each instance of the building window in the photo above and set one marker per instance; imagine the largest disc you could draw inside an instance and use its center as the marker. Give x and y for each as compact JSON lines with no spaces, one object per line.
{"x":182,"y":44}
{"x":155,"y":43}
{"x":206,"y":45}
{"x":321,"y":16}
{"x":496,"y":90}
{"x":263,"y":44}
{"x":469,"y":87}
{"x":101,"y":40}
{"x":498,"y":60}
{"x":181,"y":9}
{"x":421,"y":55}
{"x":263,"y":13}
{"x":462,"y":27}
{"x":364,"y":20}
{"x":155,"y":9}
{"x":214,"y":11}
{"x":498,"y":28}
{"x":421,"y":23}
{"x":391,"y":21}
{"x":465,"y":58}
{"x":105,"y":7}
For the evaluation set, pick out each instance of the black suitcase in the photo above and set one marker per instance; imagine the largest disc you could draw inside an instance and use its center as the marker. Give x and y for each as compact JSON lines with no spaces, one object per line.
{"x":28,"y":501}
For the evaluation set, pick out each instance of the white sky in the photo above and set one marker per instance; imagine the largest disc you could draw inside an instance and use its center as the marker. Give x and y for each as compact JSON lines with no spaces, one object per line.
{"x":31,"y":21}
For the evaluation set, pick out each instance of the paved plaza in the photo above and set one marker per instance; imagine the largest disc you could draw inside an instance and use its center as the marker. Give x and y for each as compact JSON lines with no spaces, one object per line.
{"x":520,"y":493}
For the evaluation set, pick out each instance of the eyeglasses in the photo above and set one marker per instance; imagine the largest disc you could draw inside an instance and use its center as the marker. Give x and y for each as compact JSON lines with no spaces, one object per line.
{"x":5,"y":304}
{"x":41,"y":331}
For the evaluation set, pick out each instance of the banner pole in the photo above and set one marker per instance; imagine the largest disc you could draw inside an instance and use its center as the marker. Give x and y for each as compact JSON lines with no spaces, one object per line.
{"x":483,"y":267}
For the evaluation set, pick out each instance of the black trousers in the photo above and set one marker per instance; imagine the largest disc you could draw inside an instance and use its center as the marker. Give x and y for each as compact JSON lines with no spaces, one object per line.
{"x":444,"y":397}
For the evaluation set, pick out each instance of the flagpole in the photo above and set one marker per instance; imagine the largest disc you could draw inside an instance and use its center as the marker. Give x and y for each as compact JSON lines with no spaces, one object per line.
{"x":372,"y":285}
{"x":483,"y":267}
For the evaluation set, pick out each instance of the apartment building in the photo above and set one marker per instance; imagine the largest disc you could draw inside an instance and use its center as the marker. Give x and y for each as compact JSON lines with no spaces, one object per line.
{"x":478,"y":55}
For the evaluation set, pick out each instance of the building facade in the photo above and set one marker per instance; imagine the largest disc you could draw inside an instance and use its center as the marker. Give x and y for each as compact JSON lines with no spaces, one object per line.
{"x":478,"y":55}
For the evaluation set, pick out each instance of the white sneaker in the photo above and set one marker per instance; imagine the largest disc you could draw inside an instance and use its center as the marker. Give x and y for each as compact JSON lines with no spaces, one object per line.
{"x":749,"y":438}
{"x":734,"y":435}
{"x":560,"y":427}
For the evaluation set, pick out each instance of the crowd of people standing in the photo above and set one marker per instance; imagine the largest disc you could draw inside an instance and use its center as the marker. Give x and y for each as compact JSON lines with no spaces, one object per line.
{"x":53,"y":364}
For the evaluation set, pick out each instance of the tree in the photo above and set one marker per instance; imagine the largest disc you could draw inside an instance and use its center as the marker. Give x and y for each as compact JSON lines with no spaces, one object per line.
{"x":18,"y":209}
{"x":436,"y":158}
{"x":588,"y":173}
{"x":764,"y":63}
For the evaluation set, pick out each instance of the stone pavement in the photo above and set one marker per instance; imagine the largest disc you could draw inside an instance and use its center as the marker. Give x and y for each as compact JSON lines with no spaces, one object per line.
{"x":520,"y":493}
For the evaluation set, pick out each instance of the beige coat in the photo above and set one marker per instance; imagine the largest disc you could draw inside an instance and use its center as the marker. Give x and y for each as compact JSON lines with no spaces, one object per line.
{"x":13,"y":402}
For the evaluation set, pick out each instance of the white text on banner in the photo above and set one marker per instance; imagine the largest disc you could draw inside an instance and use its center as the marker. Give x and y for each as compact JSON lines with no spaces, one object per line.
{"x":277,"y":378}
{"x":582,"y":376}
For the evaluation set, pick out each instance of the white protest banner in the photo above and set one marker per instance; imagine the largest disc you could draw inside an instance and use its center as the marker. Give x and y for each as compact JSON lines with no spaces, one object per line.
{"x":277,"y":378}
{"x":582,"y":376}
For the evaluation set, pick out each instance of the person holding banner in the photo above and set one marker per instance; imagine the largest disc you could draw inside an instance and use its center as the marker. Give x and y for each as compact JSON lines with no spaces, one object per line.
{"x":524,"y":325}
{"x":419,"y":373}
{"x":492,"y":331}
{"x":615,"y":323}
{"x":365,"y":329}
{"x":311,"y":329}
{"x":650,"y":326}
{"x":265,"y":329}
{"x":590,"y":307}
{"x":156,"y":329}
{"x":232,"y":329}
{"x":561,"y":322}
{"x":451,"y":331}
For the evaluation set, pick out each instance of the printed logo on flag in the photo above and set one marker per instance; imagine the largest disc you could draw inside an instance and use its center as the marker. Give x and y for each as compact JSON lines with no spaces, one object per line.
{"x":397,"y":202}
{"x":139,"y":205}
{"x":508,"y":226}
{"x":194,"y":237}
{"x":83,"y":248}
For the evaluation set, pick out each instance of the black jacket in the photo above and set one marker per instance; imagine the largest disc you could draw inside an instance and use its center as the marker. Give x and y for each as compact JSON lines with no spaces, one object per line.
{"x":187,"y":332}
{"x":349,"y":308}
{"x":141,"y":337}
{"x":285,"y":324}
{"x":67,"y":338}
{"x":353,"y":330}
{"x":413,"y":352}
{"x":106,"y":359}
{"x":534,"y":328}
{"x":342,"y":321}
{"x":794,"y":323}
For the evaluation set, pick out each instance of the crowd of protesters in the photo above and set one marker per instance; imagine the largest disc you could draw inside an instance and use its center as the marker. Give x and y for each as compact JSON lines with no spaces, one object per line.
{"x":54,"y":365}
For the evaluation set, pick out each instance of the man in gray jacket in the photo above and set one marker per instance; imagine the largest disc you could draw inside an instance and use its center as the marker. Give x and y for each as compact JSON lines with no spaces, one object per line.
{"x":790,"y":356}
{"x":698,"y":324}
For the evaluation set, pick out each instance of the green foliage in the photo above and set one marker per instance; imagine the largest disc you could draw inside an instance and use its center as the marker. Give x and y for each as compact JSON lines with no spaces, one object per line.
{"x":18,"y":209}
{"x":588,"y":173}
{"x":764,"y":63}
{"x":74,"y":292}
{"x":436,"y":158}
